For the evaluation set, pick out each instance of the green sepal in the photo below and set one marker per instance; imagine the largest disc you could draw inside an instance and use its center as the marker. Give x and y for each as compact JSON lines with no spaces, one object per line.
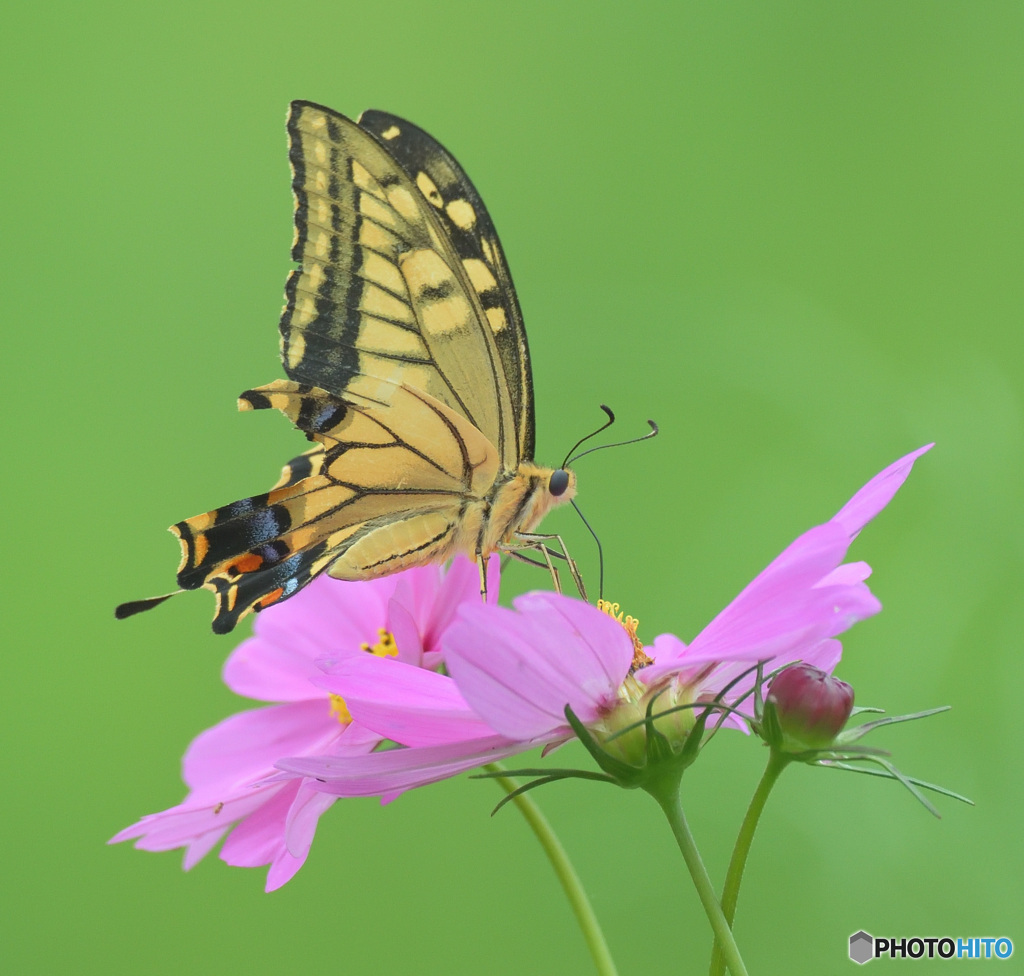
{"x":758,"y":685}
{"x":859,"y":731}
{"x":842,"y":753}
{"x":657,"y":747}
{"x":624,"y":774}
{"x":539,"y":771}
{"x":542,"y":781}
{"x":885,"y":774}
{"x":769,"y":728}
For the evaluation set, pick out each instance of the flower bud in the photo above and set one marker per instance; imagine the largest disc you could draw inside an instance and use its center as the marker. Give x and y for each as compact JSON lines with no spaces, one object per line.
{"x":811,"y":707}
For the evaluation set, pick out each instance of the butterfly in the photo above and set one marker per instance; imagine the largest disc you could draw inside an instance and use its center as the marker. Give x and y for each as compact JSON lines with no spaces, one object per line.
{"x":408,"y":368}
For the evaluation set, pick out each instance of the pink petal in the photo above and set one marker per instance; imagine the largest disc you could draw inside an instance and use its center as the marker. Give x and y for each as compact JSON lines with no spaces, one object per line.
{"x":406,"y":632}
{"x":404,"y":703}
{"x":461,"y":587}
{"x":846,"y":575}
{"x":274,"y":821}
{"x":283,"y":868}
{"x":824,"y":654}
{"x":200,"y":847}
{"x":267,"y":671}
{"x":327,"y":617}
{"x":518,"y":671}
{"x":669,"y":654}
{"x":244,"y":747}
{"x":259,"y":840}
{"x":191,"y":821}
{"x":780,"y":608}
{"x":802,"y":597}
{"x":417,"y":589}
{"x":876,"y":494}
{"x":303,"y":815}
{"x":595,"y":650}
{"x":399,"y":769}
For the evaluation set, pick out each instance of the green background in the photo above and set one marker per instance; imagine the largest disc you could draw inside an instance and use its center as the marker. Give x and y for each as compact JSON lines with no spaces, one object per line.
{"x":789,"y":232}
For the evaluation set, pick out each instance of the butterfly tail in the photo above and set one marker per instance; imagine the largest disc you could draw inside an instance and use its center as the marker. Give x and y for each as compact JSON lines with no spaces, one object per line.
{"x":132,"y":607}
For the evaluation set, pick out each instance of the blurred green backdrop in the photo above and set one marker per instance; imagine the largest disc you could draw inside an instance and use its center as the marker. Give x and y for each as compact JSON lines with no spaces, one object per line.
{"x":790,"y":232}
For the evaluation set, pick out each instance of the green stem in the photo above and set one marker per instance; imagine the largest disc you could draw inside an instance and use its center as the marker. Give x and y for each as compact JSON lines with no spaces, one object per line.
{"x":571,"y":884}
{"x":669,"y":801}
{"x":777,"y":762}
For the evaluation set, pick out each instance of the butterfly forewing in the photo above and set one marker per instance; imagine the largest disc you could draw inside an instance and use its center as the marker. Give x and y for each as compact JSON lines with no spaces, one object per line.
{"x":461,"y":211}
{"x":381,"y":293}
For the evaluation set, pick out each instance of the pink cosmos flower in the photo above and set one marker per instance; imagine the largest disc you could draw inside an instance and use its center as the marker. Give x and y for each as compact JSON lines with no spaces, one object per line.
{"x":512,"y":673}
{"x":229,"y":768}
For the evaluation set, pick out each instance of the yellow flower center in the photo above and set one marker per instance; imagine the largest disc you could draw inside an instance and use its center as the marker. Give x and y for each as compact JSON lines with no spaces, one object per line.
{"x":630,"y":624}
{"x":621,"y":729}
{"x":340,"y":710}
{"x":385,"y":647}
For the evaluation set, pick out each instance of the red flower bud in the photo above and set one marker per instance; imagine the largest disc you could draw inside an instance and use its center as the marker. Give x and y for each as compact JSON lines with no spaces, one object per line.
{"x":812,"y":707}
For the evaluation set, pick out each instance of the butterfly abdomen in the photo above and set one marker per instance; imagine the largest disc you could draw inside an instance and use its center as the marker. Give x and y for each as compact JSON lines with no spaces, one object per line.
{"x":394,"y":544}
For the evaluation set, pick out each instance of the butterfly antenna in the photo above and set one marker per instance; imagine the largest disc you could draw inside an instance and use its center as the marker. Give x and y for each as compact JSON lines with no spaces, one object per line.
{"x":604,"y":426}
{"x":653,"y":432}
{"x":600,"y":550}
{"x":133,"y":607}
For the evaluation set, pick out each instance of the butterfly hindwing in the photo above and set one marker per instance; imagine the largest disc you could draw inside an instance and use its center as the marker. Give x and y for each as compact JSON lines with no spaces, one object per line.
{"x":385,"y":489}
{"x":308,"y":463}
{"x":460,"y":209}
{"x":381,"y":294}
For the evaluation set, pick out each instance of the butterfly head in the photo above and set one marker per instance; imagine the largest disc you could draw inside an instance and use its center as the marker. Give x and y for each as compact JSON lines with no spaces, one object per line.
{"x":560,"y":482}
{"x":533,"y":492}
{"x":559,"y":486}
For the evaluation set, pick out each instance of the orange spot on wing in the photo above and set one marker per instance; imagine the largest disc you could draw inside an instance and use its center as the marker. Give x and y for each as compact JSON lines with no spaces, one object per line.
{"x":272,"y":597}
{"x":248,"y":563}
{"x":200,"y":548}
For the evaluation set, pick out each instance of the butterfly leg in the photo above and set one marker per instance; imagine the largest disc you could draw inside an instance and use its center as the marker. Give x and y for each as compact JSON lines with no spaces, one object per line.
{"x":481,"y":561}
{"x":536,"y":540}
{"x":516,"y":554}
{"x":547,"y":564}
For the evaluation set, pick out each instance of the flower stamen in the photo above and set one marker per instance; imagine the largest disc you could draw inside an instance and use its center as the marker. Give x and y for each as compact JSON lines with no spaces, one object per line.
{"x":339,"y":710}
{"x":630,"y":624}
{"x":385,"y":647}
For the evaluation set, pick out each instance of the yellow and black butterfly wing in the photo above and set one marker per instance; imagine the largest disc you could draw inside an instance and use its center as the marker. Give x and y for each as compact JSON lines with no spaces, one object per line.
{"x":460,"y":210}
{"x":407,"y":363}
{"x":381,"y":295}
{"x":382,"y":491}
{"x":307,"y":464}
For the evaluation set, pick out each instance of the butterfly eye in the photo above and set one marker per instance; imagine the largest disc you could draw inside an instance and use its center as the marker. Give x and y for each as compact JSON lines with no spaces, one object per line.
{"x":559,"y":482}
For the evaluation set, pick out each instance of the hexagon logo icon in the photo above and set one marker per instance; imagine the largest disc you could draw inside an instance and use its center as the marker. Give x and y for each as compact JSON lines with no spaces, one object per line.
{"x":861,"y":947}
